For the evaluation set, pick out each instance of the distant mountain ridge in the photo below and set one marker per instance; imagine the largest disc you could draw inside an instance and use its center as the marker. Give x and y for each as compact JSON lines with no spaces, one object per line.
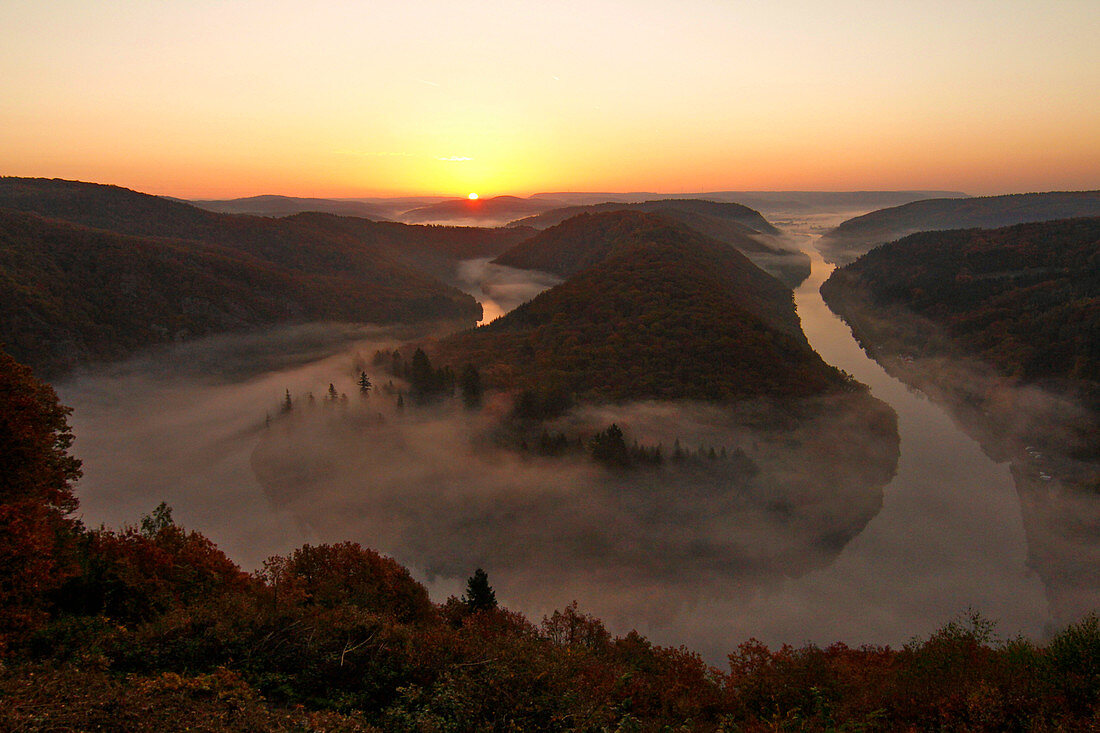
{"x":766,"y":201}
{"x":858,"y":235}
{"x":660,"y":312}
{"x":273,"y":205}
{"x":318,"y":242}
{"x":499,"y":209}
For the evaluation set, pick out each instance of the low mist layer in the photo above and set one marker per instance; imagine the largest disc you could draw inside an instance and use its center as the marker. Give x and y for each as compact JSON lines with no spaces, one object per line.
{"x":430,"y":487}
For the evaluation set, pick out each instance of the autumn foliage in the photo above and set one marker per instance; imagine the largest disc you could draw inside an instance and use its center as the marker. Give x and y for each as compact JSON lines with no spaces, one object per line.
{"x":36,"y":496}
{"x":144,"y":627}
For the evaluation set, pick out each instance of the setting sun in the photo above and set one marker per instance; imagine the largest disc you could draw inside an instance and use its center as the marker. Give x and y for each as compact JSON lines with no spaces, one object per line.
{"x":472,"y":197}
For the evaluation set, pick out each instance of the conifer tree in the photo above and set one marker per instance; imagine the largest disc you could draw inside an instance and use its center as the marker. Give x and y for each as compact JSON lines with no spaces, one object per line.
{"x":421,"y":376}
{"x":480,"y":596}
{"x":470,"y":382}
{"x":364,"y":384}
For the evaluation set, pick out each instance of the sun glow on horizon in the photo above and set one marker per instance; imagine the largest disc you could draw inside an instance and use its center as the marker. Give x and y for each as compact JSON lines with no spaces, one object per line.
{"x":472,"y":197}
{"x":201,"y":100}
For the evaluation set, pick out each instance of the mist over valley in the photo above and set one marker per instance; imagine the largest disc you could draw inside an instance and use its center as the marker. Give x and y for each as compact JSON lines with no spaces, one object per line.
{"x":762,"y":505}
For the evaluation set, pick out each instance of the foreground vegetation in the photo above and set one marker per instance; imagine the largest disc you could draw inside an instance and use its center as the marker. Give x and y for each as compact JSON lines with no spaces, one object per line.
{"x":152,"y":628}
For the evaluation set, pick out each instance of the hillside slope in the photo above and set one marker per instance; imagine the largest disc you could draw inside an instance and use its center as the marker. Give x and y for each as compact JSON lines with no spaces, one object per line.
{"x":658,"y":311}
{"x":71,"y":294}
{"x":735,"y":216}
{"x":1024,"y":298}
{"x":379,"y":252}
{"x":1003,"y":324}
{"x":856,"y":236}
{"x":738,"y":226}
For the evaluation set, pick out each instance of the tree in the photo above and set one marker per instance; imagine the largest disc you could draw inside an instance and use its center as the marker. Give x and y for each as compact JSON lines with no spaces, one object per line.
{"x":347,"y":573}
{"x":470,"y":382}
{"x":480,"y":596}
{"x":609,"y":447}
{"x":333,"y":395}
{"x":36,"y":497}
{"x":288,"y":405}
{"x":137,"y":574}
{"x":422,"y":378}
{"x":364,"y":384}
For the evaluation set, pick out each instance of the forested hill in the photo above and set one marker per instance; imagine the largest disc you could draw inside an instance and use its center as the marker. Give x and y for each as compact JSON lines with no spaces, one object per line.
{"x":1024,"y":298}
{"x":71,"y":294}
{"x":341,"y":246}
{"x":856,"y":236}
{"x":697,"y":213}
{"x":660,"y":311}
{"x":564,"y":246}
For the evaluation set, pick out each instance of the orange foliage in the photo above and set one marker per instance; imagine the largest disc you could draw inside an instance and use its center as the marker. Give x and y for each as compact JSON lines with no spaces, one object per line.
{"x":36,"y":496}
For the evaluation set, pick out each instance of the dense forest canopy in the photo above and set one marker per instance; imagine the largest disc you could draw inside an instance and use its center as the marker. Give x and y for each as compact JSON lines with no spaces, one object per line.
{"x":1025,"y":298}
{"x":653,"y":310}
{"x":738,"y":226}
{"x":73,"y":294}
{"x":96,"y":272}
{"x":1003,"y":324}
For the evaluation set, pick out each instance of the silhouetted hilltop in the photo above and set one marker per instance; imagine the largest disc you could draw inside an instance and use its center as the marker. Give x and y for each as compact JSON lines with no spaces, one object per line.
{"x":271,"y":205}
{"x":655,"y":310}
{"x":786,"y":202}
{"x":738,"y":226}
{"x":856,"y":236}
{"x":74,"y":294}
{"x":497,"y":209}
{"x":697,"y":213}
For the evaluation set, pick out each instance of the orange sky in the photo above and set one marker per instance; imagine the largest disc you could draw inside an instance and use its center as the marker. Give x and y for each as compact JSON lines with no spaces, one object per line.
{"x":212,"y":98}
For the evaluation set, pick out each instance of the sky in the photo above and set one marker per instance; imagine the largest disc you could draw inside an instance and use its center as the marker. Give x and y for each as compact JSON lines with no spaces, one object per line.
{"x":226,"y":98}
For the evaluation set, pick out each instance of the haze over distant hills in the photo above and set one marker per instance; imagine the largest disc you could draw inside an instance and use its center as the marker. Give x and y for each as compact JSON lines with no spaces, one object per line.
{"x":272,"y":205}
{"x":803,"y":202}
{"x":492,"y":211}
{"x":856,"y":236}
{"x":451,"y":210}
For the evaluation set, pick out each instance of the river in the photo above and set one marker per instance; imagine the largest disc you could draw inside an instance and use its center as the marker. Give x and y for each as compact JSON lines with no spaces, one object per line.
{"x":949,"y":536}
